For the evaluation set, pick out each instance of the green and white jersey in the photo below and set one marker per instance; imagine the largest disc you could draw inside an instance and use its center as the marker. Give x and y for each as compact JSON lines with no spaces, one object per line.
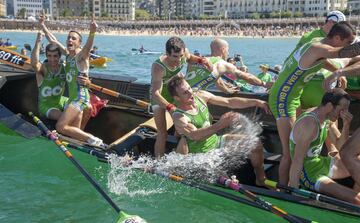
{"x":313,"y":91}
{"x":200,"y":119}
{"x":199,"y":78}
{"x":168,"y":74}
{"x":78,"y":94}
{"x":51,"y":90}
{"x":285,"y":94}
{"x":315,"y":166}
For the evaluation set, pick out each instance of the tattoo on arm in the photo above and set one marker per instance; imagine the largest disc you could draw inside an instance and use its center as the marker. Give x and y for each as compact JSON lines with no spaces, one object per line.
{"x":350,"y":51}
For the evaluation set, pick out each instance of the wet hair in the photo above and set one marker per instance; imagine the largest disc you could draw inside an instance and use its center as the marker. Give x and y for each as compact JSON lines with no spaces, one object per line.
{"x":174,"y":44}
{"x":343,"y":29}
{"x":335,"y":96}
{"x":52,"y":48}
{"x":174,"y":82}
{"x":80,"y":36}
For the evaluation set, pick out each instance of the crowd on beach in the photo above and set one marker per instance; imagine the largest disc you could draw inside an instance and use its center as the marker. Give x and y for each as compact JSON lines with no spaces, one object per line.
{"x":310,"y":66}
{"x":248,"y":30}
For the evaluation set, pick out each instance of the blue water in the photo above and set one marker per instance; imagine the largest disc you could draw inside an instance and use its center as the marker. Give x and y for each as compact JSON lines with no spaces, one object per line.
{"x":39,"y":184}
{"x":125,"y":62}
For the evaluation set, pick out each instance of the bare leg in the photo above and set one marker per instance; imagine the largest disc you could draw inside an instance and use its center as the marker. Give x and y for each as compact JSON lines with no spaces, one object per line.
{"x":256,"y":158}
{"x":328,"y":186}
{"x":182,"y":146}
{"x":85,"y":117}
{"x":284,"y":126}
{"x":65,"y":124}
{"x":257,"y":161}
{"x":54,"y":114}
{"x":160,"y":121}
{"x":349,"y":154}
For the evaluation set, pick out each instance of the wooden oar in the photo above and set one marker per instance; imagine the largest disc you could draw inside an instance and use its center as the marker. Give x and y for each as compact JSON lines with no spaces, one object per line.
{"x":276,"y":210}
{"x":15,"y":59}
{"x":315,"y":196}
{"x":141,"y":103}
{"x":123,"y":217}
{"x":225,"y":195}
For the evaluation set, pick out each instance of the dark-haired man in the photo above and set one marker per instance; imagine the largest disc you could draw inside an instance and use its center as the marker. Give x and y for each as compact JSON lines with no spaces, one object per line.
{"x":162,"y":70}
{"x":350,"y":152}
{"x":299,"y":68}
{"x":192,"y":121}
{"x":50,"y":78}
{"x":77,"y":69}
{"x":310,"y":132}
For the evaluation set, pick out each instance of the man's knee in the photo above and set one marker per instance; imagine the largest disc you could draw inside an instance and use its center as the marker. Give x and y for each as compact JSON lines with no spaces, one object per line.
{"x":60,"y":127}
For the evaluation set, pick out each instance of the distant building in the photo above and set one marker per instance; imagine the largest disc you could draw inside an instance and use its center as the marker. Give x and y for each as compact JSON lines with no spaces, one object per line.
{"x":47,"y":6}
{"x":2,"y":8}
{"x":316,"y":7}
{"x":354,"y":7}
{"x":124,"y":9}
{"x":32,"y":7}
{"x":64,"y":8}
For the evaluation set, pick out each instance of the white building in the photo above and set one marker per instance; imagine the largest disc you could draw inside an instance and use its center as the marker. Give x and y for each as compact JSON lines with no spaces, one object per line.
{"x":316,"y":7}
{"x":2,"y":8}
{"x":120,"y":8}
{"x":243,"y":8}
{"x":33,"y":7}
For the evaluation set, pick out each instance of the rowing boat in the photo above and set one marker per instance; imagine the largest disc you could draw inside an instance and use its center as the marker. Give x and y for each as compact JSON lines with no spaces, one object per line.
{"x":120,"y":117}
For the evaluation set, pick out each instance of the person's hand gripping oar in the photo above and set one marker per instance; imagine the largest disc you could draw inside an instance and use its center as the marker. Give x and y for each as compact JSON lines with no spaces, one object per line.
{"x":123,"y":217}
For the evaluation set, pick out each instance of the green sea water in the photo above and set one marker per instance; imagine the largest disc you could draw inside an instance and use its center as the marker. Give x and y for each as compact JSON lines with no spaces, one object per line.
{"x":39,"y":184}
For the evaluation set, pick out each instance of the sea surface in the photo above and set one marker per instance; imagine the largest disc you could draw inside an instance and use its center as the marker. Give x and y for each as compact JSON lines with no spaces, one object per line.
{"x":39,"y":184}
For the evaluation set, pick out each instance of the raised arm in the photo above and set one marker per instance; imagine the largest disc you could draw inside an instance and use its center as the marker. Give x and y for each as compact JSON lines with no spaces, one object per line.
{"x":49,"y":36}
{"x":233,"y":102}
{"x":303,"y":140}
{"x":35,"y":63}
{"x":249,"y":78}
{"x":85,"y":51}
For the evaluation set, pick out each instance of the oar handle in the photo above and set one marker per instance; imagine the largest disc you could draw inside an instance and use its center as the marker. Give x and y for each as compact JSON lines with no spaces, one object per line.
{"x":107,"y":91}
{"x":313,"y":195}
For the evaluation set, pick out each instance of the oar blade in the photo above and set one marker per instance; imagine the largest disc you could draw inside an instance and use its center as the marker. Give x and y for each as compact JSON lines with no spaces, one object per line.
{"x":126,"y":218}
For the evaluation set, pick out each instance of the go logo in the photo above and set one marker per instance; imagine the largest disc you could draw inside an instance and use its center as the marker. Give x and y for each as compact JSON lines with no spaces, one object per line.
{"x":69,"y":76}
{"x":48,"y":91}
{"x":309,"y":77}
{"x":190,"y":75}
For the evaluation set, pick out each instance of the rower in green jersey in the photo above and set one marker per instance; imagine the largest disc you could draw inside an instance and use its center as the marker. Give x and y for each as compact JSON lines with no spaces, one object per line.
{"x":200,"y":78}
{"x":50,"y":77}
{"x":311,"y":130}
{"x":162,"y":69}
{"x":192,"y":121}
{"x":299,"y":68}
{"x":313,"y":91}
{"x":78,"y":108}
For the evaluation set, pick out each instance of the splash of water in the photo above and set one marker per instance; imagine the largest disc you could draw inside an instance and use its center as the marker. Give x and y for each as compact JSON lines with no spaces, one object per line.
{"x":201,"y":167}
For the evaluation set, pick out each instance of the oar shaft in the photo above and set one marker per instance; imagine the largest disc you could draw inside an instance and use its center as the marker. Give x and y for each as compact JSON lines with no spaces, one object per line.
{"x":68,"y":154}
{"x":313,"y":195}
{"x":253,"y":203}
{"x":276,"y":210}
{"x":119,"y":95}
